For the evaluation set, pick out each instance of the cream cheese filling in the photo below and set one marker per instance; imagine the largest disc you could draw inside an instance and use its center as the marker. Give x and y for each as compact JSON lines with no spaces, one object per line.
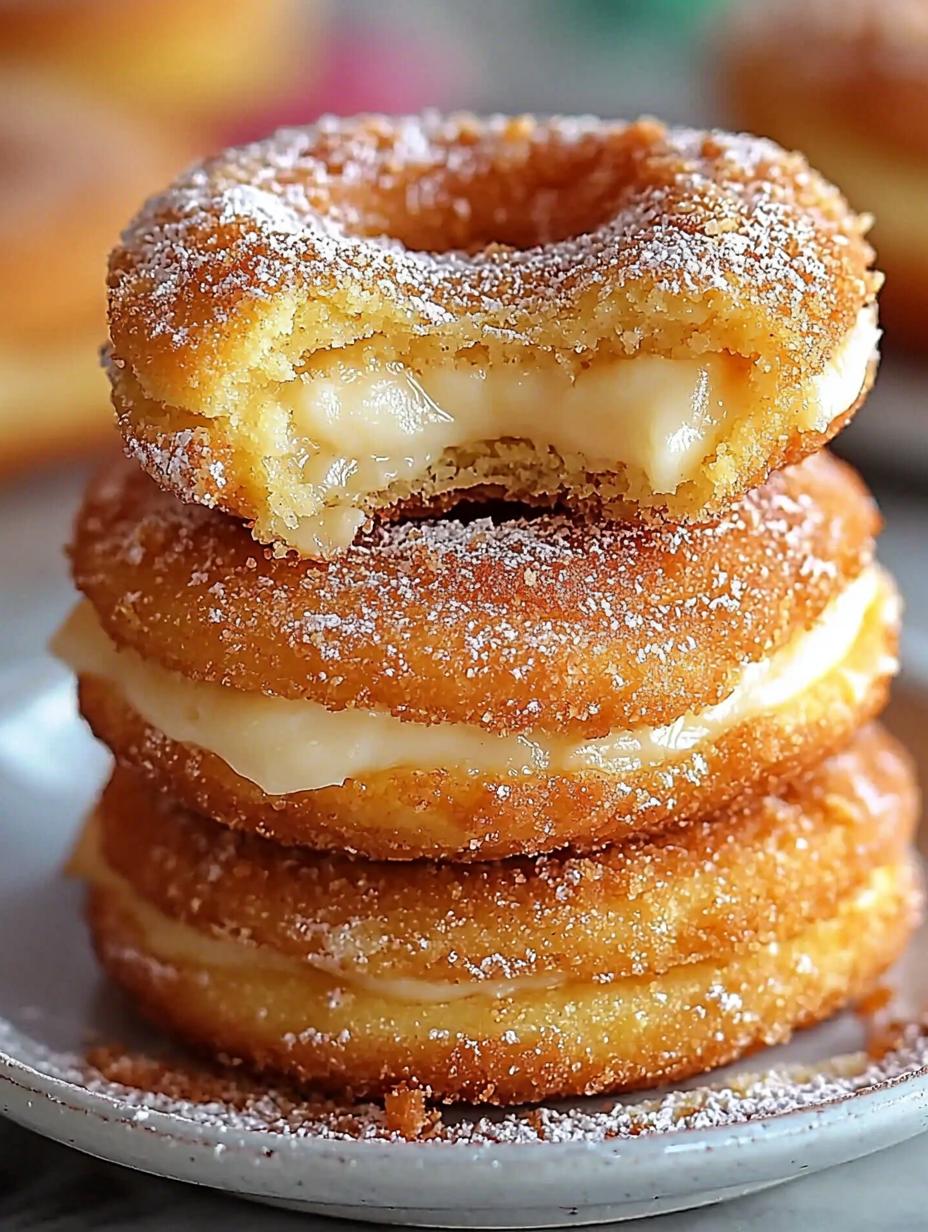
{"x":286,"y":746}
{"x":176,"y":941}
{"x":363,"y":424}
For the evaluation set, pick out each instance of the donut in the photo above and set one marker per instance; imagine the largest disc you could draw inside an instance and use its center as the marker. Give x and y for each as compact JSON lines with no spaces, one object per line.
{"x":69,"y":170}
{"x":519,"y":980}
{"x":846,"y":83}
{"x":188,"y":61}
{"x":321,"y":326}
{"x":478,"y":687}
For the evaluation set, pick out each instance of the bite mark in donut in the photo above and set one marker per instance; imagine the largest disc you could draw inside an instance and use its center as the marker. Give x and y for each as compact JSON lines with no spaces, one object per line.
{"x":366,"y":315}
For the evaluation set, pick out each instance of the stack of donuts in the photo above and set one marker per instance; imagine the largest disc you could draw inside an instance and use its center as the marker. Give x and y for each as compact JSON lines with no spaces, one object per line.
{"x":487,"y":719}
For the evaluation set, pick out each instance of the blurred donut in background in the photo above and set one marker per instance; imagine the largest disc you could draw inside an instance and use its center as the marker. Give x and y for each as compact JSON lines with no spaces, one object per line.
{"x":101,"y":101}
{"x":846,"y":81}
{"x":196,"y":61}
{"x":71,"y":172}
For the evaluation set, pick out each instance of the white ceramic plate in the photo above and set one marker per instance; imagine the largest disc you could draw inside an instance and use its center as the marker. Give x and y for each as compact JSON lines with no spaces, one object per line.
{"x":52,"y":1003}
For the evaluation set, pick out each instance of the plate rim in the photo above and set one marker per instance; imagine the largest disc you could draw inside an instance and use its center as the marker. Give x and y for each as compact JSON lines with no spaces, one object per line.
{"x":612,"y":1179}
{"x":30,"y":1079}
{"x":434,"y":1183}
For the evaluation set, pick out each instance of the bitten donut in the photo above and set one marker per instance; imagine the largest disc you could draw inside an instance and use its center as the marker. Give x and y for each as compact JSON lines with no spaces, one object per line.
{"x":513,"y":981}
{"x":377,"y":315}
{"x":69,"y":170}
{"x":847,"y":83}
{"x":479,"y":688}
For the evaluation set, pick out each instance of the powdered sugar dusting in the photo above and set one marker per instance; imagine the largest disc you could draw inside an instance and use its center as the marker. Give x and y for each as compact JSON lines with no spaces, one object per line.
{"x":233,"y":1104}
{"x":542,"y":621}
{"x":403,"y":208}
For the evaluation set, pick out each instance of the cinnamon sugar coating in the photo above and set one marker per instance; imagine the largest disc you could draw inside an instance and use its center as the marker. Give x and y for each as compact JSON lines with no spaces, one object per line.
{"x":448,"y":813}
{"x":587,"y":1039}
{"x":548,"y":624}
{"x":521,"y":240}
{"x":230,"y":1097}
{"x":458,"y":231}
{"x":748,"y":975}
{"x":755,"y":874}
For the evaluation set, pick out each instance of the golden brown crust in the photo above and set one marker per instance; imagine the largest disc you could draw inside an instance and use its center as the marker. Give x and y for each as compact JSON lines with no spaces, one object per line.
{"x":521,"y":241}
{"x":578,"y":1039}
{"x":406,"y":814}
{"x":752,"y":876}
{"x":199,"y":460}
{"x":546,"y":625}
{"x":769,"y":919}
{"x":745,"y":236}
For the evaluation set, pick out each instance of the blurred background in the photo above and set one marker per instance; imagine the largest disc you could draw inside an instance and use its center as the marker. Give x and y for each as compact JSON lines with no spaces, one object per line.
{"x":102,"y":101}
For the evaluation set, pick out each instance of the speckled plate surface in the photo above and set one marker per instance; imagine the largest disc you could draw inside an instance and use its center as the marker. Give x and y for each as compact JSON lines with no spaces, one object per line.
{"x":594,"y":1167}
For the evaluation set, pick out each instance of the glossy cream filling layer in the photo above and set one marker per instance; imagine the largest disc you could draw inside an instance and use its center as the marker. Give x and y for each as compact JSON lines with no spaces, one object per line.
{"x":287,"y":746}
{"x":362,"y":424}
{"x":175,"y":941}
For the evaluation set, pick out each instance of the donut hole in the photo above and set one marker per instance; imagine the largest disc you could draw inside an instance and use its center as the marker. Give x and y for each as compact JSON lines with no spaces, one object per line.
{"x":468,"y":509}
{"x":497,"y":511}
{"x":519,"y":187}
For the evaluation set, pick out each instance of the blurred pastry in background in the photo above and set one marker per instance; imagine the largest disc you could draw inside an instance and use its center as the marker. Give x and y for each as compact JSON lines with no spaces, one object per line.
{"x":846,"y":81}
{"x":353,"y":68}
{"x":194,"y":61}
{"x":71,"y":172}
